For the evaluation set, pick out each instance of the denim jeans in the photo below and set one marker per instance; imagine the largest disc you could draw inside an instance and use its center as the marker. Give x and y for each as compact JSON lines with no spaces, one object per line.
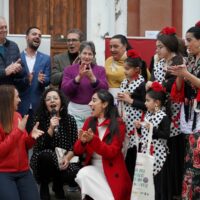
{"x":18,"y":186}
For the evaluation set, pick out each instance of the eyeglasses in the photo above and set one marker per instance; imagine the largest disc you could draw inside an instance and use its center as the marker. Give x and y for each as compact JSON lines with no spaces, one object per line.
{"x":72,"y":40}
{"x":53,"y":98}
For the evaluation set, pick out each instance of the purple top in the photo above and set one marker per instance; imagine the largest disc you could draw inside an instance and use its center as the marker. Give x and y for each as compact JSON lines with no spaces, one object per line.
{"x":82,"y":92}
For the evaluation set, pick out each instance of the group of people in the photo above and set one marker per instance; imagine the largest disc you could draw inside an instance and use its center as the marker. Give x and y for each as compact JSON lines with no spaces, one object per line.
{"x":75,"y":107}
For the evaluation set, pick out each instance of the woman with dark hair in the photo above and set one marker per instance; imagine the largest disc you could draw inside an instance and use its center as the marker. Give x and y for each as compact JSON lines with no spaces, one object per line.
{"x":114,"y":65}
{"x":168,"y":48}
{"x":131,"y":104}
{"x":186,"y":90}
{"x":16,"y":179}
{"x":101,"y":138}
{"x":81,"y":81}
{"x":60,"y":130}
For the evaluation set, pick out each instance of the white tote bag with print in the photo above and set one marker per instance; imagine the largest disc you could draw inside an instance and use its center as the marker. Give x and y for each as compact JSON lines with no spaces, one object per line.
{"x":143,"y":183}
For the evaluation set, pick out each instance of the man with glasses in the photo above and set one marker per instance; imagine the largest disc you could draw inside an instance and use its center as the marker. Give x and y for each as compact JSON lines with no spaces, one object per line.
{"x":60,"y":61}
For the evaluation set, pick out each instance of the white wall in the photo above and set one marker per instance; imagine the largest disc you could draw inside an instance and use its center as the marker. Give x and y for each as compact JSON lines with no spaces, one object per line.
{"x":4,"y":10}
{"x":21,"y":41}
{"x":105,"y":17}
{"x":191,"y":14}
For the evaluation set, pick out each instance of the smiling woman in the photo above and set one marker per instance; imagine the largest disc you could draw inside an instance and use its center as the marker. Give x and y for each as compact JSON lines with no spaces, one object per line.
{"x":59,"y":131}
{"x":16,"y":179}
{"x":101,"y":140}
{"x":81,"y":81}
{"x":114,"y":65}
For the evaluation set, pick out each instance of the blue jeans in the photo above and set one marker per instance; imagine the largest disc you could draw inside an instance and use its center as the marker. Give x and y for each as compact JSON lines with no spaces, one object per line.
{"x":18,"y":186}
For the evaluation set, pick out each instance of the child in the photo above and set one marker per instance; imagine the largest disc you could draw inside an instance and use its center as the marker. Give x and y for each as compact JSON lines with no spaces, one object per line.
{"x":131,"y":101}
{"x":155,"y":100}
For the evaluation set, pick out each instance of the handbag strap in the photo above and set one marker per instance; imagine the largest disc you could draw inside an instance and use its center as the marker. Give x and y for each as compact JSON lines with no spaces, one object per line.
{"x":149,"y":139}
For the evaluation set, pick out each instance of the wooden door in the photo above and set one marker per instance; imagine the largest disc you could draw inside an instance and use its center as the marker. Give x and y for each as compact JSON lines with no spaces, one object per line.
{"x":54,"y":17}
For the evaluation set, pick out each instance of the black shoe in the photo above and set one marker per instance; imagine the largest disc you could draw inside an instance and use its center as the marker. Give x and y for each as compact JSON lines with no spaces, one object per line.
{"x":59,"y":192}
{"x":44,"y":192}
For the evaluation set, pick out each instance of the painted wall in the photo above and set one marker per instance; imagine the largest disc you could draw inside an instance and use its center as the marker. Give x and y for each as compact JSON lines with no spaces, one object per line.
{"x":105,"y":18}
{"x":191,"y":14}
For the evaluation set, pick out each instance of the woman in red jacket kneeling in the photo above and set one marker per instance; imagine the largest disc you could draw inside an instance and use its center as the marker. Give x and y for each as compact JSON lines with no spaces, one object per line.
{"x":16,"y":180}
{"x":101,"y":138}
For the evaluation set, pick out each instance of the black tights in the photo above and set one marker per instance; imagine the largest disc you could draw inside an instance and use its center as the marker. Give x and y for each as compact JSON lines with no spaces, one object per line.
{"x":48,"y":171}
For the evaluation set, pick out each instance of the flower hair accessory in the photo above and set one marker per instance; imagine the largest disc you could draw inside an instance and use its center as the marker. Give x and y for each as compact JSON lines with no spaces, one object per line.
{"x":168,"y":30}
{"x":157,"y":87}
{"x":133,"y":54}
{"x":198,"y":24}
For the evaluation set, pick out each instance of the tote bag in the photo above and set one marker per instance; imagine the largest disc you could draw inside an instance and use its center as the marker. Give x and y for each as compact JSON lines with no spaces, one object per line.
{"x":143,"y":183}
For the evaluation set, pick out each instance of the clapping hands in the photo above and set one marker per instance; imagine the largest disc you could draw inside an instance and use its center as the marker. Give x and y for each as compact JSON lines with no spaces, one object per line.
{"x":178,"y":70}
{"x":85,"y":136}
{"x":35,"y":132}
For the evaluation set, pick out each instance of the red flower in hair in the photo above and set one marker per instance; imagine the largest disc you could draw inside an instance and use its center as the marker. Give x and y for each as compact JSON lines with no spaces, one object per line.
{"x":168,"y":30}
{"x":157,"y":87}
{"x":133,"y":53}
{"x":198,"y":24}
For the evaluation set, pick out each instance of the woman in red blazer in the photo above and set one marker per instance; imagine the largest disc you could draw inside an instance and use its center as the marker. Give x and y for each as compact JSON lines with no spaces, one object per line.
{"x":101,"y":138}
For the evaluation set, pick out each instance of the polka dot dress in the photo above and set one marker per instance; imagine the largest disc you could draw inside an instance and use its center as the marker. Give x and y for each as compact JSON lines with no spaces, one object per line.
{"x":64,"y":138}
{"x":159,"y":74}
{"x":131,"y":113}
{"x":160,"y":148}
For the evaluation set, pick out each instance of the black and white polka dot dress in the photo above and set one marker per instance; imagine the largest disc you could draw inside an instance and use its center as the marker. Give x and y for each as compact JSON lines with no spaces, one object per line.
{"x":64,"y":138}
{"x":160,"y":148}
{"x":131,"y":113}
{"x":160,"y":76}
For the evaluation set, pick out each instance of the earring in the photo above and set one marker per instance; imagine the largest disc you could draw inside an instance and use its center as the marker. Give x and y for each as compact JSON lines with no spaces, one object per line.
{"x":156,"y":108}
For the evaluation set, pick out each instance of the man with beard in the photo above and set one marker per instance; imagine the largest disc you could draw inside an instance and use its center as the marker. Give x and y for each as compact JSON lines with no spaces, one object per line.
{"x":11,"y":71}
{"x":38,"y":69}
{"x":60,"y":61}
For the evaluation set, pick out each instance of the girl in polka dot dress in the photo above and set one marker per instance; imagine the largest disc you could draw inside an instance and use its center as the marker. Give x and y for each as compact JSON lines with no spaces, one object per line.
{"x":155,"y":100}
{"x":168,"y":49}
{"x":131,"y":103}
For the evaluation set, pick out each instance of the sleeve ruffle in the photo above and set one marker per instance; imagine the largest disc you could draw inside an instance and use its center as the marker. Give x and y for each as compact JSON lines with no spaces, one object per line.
{"x":177,"y":95}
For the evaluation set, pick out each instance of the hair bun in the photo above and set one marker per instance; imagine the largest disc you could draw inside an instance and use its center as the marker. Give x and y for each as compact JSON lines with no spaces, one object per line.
{"x":133,"y":54}
{"x":198,"y":24}
{"x":168,"y":30}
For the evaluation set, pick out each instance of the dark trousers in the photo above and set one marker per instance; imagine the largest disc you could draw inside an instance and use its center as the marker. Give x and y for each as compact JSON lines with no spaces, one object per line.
{"x":18,"y":186}
{"x":48,"y":171}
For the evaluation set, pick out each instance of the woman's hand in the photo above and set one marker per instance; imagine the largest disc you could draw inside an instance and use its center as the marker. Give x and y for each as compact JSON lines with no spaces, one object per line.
{"x":82,"y":136}
{"x":89,"y":73}
{"x":22,"y":122}
{"x":178,"y":70}
{"x":125,"y":97}
{"x":54,"y":121}
{"x":85,"y":136}
{"x":89,"y":135}
{"x":64,"y":163}
{"x":36,"y":133}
